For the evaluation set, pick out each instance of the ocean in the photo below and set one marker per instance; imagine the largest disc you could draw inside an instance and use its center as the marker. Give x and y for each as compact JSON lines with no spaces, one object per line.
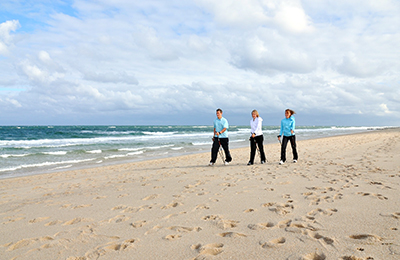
{"x":29,"y":150}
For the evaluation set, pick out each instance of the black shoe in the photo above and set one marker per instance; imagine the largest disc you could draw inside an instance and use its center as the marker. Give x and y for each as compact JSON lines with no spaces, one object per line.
{"x":249,"y":163}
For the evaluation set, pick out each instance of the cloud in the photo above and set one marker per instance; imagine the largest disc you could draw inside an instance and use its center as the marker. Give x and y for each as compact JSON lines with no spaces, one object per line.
{"x":271,"y":56}
{"x":156,"y":48}
{"x":290,"y":16}
{"x":385,"y":109}
{"x":110,"y":77}
{"x":6,"y":39}
{"x":124,"y":59}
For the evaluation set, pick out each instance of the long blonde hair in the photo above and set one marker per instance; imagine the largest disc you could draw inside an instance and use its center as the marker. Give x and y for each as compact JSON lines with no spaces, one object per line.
{"x":256,"y":112}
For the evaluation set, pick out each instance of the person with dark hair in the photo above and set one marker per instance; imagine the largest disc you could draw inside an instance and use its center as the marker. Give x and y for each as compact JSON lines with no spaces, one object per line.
{"x":256,"y":138}
{"x":288,"y":125}
{"x":220,"y":138}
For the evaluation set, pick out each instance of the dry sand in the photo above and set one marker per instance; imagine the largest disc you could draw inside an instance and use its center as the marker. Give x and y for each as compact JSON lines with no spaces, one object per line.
{"x":340,"y":201}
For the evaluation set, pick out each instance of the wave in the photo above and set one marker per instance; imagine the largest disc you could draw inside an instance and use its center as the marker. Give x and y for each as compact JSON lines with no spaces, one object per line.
{"x":14,"y":155}
{"x":129,"y":149}
{"x":55,"y":153}
{"x":44,"y":164}
{"x":159,"y":133}
{"x":94,"y":151}
{"x":201,"y":143}
{"x":122,"y":155}
{"x":158,"y":147}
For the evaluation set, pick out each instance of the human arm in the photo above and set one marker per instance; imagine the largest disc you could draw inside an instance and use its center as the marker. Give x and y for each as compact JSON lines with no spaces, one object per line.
{"x":281,"y":131}
{"x":293,"y":126}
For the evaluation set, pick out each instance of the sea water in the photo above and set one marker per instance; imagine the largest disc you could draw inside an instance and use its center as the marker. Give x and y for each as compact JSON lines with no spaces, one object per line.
{"x":28,"y":150}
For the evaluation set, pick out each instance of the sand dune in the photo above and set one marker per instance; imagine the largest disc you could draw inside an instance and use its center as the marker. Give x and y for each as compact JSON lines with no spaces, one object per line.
{"x":340,"y":201}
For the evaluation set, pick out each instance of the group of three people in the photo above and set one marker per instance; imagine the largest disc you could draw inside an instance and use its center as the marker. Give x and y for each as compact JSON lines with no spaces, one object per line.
{"x":287,"y":131}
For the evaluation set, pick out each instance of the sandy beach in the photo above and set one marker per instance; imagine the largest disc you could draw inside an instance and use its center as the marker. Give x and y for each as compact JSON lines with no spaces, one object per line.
{"x":340,"y":201}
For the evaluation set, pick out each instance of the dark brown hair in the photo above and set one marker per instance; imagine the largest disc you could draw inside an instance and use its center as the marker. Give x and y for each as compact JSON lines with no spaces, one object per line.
{"x":290,"y":111}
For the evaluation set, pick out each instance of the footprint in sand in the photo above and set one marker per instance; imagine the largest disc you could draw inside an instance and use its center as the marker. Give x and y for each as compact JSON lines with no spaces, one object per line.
{"x":325,"y":240}
{"x":202,"y":206}
{"x":12,"y":219}
{"x":231,"y":234}
{"x":395,"y":215}
{"x":273,"y":243}
{"x":36,"y":220}
{"x":153,"y":230}
{"x":209,"y":249}
{"x":261,"y":226}
{"x":102,"y":250}
{"x":279,"y":208}
{"x":122,"y":246}
{"x":26,"y":242}
{"x":172,"y":237}
{"x":118,"y":219}
{"x":375,"y":195}
{"x":151,"y":197}
{"x":174,"y":215}
{"x":315,"y":256}
{"x":75,"y":221}
{"x":221,"y":223}
{"x":139,"y":224}
{"x":184,"y":229}
{"x":297,"y":227}
{"x":355,"y":258}
{"x":367,"y":237}
{"x":320,"y":211}
{"x":52,"y":223}
{"x":171,"y":205}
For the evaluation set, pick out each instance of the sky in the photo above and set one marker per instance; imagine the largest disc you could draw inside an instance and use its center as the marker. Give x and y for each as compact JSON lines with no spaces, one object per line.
{"x":131,"y":62}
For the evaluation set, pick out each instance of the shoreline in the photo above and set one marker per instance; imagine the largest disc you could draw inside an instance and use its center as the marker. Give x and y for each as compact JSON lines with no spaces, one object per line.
{"x":126,"y":161}
{"x":326,"y":206}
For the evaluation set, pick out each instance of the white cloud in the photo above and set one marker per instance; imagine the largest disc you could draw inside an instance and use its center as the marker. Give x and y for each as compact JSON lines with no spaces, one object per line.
{"x":110,"y":77}
{"x":5,"y":38}
{"x":385,"y":109}
{"x":127,"y":57}
{"x":290,"y":16}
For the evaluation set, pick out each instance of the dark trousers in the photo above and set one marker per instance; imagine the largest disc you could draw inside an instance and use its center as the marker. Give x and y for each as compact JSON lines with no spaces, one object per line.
{"x":224,"y":142}
{"x":254,"y":142}
{"x":285,"y":140}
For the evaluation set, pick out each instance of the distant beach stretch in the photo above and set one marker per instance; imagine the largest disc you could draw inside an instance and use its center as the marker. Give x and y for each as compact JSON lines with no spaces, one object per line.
{"x":339,"y":201}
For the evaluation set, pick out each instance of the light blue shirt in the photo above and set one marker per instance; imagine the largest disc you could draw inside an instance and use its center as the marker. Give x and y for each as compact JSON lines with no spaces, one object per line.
{"x":220,"y":124}
{"x":288,"y":124}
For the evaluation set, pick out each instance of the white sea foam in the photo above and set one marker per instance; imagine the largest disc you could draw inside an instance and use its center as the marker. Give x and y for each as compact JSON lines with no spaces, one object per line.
{"x":56,"y":153}
{"x":94,"y":151}
{"x":158,"y":133}
{"x":115,"y":156}
{"x":44,"y":164}
{"x":134,"y":153}
{"x":237,"y":141}
{"x":176,"y":148}
{"x":14,"y":155}
{"x":159,"y":147}
{"x":62,"y":167}
{"x":201,"y":143}
{"x":129,"y":149}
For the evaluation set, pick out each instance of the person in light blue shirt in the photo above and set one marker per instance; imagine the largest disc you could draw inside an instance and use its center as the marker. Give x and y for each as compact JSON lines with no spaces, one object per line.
{"x":288,"y":125}
{"x":220,"y":138}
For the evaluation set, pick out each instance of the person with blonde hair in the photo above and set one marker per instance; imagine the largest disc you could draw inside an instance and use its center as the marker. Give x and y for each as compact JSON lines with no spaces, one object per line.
{"x":288,"y":125}
{"x":256,"y":138}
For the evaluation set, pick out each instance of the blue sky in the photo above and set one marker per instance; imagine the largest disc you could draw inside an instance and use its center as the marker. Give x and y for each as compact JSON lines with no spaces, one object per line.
{"x":175,"y":62}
